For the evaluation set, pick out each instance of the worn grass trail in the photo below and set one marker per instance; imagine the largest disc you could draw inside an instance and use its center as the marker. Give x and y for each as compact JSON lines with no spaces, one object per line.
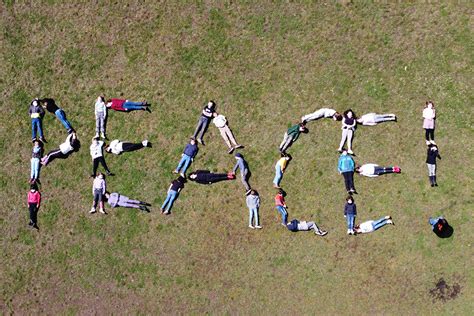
{"x":265,"y":65}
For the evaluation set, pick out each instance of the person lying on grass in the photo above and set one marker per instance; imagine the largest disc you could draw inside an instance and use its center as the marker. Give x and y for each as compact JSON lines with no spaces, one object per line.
{"x":173,"y":193}
{"x":118,"y":200}
{"x":127,"y":106}
{"x":296,"y":226}
{"x":207,"y":177}
{"x":117,"y":147}
{"x":71,"y":145}
{"x":371,"y":119}
{"x":372,"y":170}
{"x":371,"y":226}
{"x":324,"y":112}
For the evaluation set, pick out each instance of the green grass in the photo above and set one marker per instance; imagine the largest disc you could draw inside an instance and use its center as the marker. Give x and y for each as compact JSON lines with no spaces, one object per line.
{"x":265,"y":65}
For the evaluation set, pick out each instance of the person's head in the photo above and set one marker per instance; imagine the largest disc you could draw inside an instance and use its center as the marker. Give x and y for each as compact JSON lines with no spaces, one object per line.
{"x":349,"y":113}
{"x":192,"y":141}
{"x":107,"y":194}
{"x":357,"y":229}
{"x":108,"y":149}
{"x":95,"y":140}
{"x":35,"y":102}
{"x":281,"y":192}
{"x":36,"y":143}
{"x":430,"y":105}
{"x":100,"y":175}
{"x":192,"y":176}
{"x":337,"y":116}
{"x":349,"y":199}
{"x":33,"y":187}
{"x":215,"y":114}
{"x":344,"y":152}
{"x":181,"y":179}
{"x":357,"y":168}
{"x":100,"y":98}
{"x":239,"y":156}
{"x":211,"y":104}
{"x":253,"y":192}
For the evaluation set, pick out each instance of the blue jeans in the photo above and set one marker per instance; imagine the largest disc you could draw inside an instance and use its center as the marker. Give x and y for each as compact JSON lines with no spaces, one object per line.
{"x":35,"y":168}
{"x":202,"y":126}
{"x":170,"y":198}
{"x":350,"y":218}
{"x":278,"y":175}
{"x":284,"y":214}
{"x":131,"y":106}
{"x":62,"y":118}
{"x":433,"y":221}
{"x":183,"y":163}
{"x":253,"y":214}
{"x":36,"y":124}
{"x":379,"y":223}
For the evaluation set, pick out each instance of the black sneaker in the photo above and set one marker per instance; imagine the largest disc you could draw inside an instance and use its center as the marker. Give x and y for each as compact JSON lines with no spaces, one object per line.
{"x":110,"y":174}
{"x":147,"y":109}
{"x":231,"y":150}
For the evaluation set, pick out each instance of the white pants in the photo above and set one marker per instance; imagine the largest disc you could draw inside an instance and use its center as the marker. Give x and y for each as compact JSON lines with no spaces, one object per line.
{"x":304,"y":225}
{"x":431,"y":169}
{"x":347,"y":133}
{"x":227,"y":135}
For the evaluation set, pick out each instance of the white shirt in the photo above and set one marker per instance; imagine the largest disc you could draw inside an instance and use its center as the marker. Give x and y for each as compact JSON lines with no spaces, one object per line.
{"x":368,"y":170}
{"x":100,"y":106}
{"x":219,"y":121}
{"x":116,"y":147}
{"x":324,"y":112}
{"x":367,"y":119}
{"x":429,"y":113}
{"x":66,"y":146}
{"x":98,"y":184}
{"x":96,"y":149}
{"x":366,"y":227}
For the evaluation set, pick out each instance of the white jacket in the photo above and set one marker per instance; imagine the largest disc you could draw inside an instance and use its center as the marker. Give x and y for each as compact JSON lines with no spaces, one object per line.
{"x":368,"y":170}
{"x":100,"y":107}
{"x":99,"y":184}
{"x":324,"y":112}
{"x":66,"y":146}
{"x":116,"y":146}
{"x":219,"y":121}
{"x":96,"y":149}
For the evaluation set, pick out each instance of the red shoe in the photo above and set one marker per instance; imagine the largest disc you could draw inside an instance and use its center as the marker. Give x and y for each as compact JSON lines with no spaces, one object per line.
{"x":397,"y":169}
{"x":230,"y":176}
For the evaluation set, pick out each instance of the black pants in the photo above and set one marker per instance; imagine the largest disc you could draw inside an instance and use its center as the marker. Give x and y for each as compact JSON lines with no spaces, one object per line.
{"x":383,"y":170}
{"x":56,"y":154}
{"x":33,"y":212}
{"x":131,"y":146}
{"x":349,"y":180}
{"x":429,"y":132}
{"x":95,"y":165}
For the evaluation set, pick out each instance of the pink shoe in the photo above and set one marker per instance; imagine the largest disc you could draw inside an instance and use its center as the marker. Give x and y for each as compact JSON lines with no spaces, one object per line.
{"x":397,"y":169}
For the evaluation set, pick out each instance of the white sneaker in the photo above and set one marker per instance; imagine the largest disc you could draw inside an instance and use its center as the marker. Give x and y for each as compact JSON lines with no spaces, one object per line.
{"x":388,"y":217}
{"x":350,"y":152}
{"x":96,"y":135}
{"x":183,"y":175}
{"x":250,"y":226}
{"x":258,"y":227}
{"x":390,"y":222}
{"x":428,"y":142}
{"x":145,"y":143}
{"x":101,"y":210}
{"x":321,"y":233}
{"x":348,"y":231}
{"x":92,"y":211}
{"x":102,"y":135}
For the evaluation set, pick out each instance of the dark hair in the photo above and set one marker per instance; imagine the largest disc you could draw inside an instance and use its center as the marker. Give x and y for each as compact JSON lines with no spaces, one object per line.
{"x":213,"y":104}
{"x":349,"y":110}
{"x":350,"y":197}
{"x":338,"y":116}
{"x":428,"y":102}
{"x":108,"y":101}
{"x":76,"y":144}
{"x":181,"y":179}
{"x":34,"y":186}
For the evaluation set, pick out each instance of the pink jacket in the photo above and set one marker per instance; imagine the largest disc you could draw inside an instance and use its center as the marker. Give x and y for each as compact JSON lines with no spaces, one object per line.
{"x":34,"y":197}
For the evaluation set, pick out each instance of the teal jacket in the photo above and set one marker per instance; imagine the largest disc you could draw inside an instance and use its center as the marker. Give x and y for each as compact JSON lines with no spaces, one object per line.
{"x":345,"y":164}
{"x":294,"y":132}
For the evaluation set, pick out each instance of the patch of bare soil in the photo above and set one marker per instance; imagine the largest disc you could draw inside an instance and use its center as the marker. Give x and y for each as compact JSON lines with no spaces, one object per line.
{"x":443,"y":292}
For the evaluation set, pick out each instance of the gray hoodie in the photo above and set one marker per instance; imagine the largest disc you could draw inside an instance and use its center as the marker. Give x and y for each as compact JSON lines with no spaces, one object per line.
{"x":253,"y":201}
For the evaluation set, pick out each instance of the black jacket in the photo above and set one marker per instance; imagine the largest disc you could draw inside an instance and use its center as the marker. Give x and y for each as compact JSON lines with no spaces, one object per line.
{"x":431,"y":155}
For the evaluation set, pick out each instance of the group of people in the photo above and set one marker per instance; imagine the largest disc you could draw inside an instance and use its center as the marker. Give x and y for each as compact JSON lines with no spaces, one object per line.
{"x":190,"y":152}
{"x":346,"y":166}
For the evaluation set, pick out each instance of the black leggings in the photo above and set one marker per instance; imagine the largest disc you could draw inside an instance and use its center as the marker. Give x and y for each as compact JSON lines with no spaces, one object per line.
{"x":56,"y":154}
{"x":429,"y":132}
{"x":33,"y":212}
{"x":131,"y":146}
{"x":349,"y":180}
{"x":95,"y":165}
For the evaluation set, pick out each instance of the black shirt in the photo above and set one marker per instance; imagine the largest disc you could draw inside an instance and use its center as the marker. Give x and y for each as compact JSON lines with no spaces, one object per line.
{"x":176,"y":185}
{"x":50,"y":105}
{"x":431,"y":156}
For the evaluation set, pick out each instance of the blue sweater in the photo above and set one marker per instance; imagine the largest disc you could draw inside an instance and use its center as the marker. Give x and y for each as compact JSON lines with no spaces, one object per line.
{"x":350,"y":209}
{"x":191,"y":150}
{"x":345,"y":164}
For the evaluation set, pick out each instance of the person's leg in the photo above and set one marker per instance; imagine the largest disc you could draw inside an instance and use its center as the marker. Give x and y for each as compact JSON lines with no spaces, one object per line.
{"x":131,"y":103}
{"x":127,"y":147}
{"x":36,"y":168}
{"x":303,"y":226}
{"x":51,"y":156}
{"x":198,"y":127}
{"x":431,"y":131}
{"x":346,"y":181}
{"x":98,"y":123}
{"x":343,"y":139}
{"x":32,"y":172}
{"x":165,"y":203}
{"x":244,"y":175}
{"x":186,"y":164}
{"x":427,"y":134}
{"x":350,"y":133}
{"x":95,"y":165}
{"x":204,"y":127}
{"x":31,"y":209}
{"x":224,"y":136}
{"x":34,"y":123}
{"x":62,"y":118}
{"x":133,"y":106}
{"x":40,"y":128}
{"x":230,"y":135}
{"x":287,"y":144}
{"x":278,"y":175}
{"x":313,"y":226}
{"x":103,"y":163}
{"x":256,"y":216}
{"x":348,"y":221}
{"x":173,"y":196}
{"x":285,"y":138}
{"x":351,"y":221}
{"x":217,"y":177}
{"x":284,"y":214}
{"x":129,"y":204}
{"x":380,"y":223}
{"x":351,"y":180}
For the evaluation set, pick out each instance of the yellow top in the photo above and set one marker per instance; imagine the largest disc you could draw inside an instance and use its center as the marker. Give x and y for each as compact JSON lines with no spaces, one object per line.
{"x":282,"y":162}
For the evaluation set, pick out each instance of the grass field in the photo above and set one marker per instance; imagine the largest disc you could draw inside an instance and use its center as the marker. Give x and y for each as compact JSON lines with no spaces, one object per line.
{"x":265,"y":64}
